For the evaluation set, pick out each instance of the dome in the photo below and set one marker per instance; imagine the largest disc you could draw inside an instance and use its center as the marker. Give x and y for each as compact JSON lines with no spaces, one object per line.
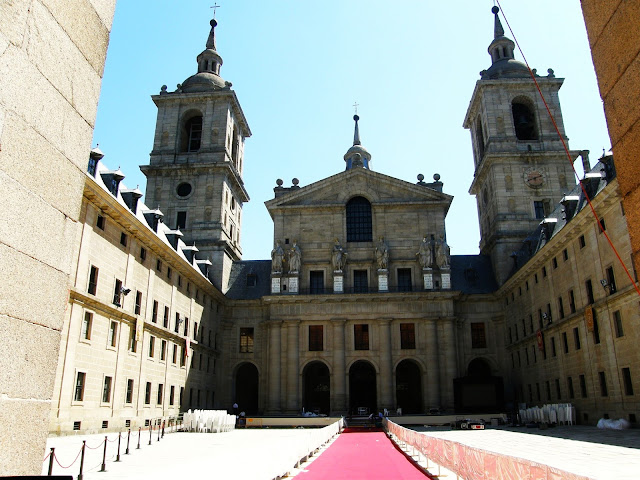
{"x":357,"y":149}
{"x":203,"y":82}
{"x":507,"y":68}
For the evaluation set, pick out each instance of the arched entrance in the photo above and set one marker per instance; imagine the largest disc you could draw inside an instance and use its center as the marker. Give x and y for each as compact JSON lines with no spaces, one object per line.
{"x":479,"y":369}
{"x":316,"y":388}
{"x":246,"y":395}
{"x":479,"y":391}
{"x":409,"y":387}
{"x":362,"y":386}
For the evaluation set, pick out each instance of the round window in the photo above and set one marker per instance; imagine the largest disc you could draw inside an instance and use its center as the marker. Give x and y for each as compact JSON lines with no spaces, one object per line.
{"x":183,"y":190}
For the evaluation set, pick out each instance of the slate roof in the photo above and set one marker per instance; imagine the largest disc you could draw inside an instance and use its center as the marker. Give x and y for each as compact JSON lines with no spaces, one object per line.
{"x":238,"y":287}
{"x":472,"y":274}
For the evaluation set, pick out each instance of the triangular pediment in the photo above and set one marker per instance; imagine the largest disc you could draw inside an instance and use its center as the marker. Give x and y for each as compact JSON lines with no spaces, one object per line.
{"x":376,"y":187}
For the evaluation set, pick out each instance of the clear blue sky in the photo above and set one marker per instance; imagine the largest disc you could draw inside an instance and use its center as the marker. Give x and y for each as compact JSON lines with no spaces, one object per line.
{"x":299,"y":66}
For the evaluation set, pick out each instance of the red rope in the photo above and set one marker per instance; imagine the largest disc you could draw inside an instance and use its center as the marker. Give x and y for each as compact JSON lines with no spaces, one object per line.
{"x":566,"y":149}
{"x":94,"y":448}
{"x":45,"y":458}
{"x":113,"y":439}
{"x":71,"y":464}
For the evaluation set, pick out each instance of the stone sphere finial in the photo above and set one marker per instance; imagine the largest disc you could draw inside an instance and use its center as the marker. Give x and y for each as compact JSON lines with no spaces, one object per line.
{"x":436,"y":177}
{"x":420,"y":177}
{"x":495,"y":10}
{"x":279,"y":182}
{"x":295,"y":181}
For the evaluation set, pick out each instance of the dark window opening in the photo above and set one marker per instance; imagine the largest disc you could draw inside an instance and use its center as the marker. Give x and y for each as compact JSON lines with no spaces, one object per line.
{"x":589,"y":288}
{"x":252,"y":280}
{"x":478,"y":335}
{"x":123,"y":239}
{"x":246,"y":340}
{"x":93,"y":280}
{"x":538,"y":207}
{"x":404,"y":280}
{"x":407,"y":336}
{"x":582,"y":242}
{"x":361,"y":337}
{"x":617,"y":323}
{"x":583,"y":386}
{"x":193,"y":132}
{"x":316,"y":338}
{"x":117,"y":292}
{"x":181,"y":220}
{"x":360,"y":281}
{"x":603,"y":384}
{"x":524,"y":122}
{"x":359,"y":227}
{"x":628,"y":385}
{"x":100,"y":222}
{"x":316,"y":282}
{"x":576,"y":338}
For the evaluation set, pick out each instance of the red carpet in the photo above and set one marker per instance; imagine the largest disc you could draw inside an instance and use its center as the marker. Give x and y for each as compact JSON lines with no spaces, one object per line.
{"x":356,"y":456}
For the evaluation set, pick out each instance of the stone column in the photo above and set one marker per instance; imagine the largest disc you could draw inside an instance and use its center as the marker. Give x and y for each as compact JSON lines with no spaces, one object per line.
{"x":433,"y":365}
{"x":386,"y":368}
{"x":449,"y":367}
{"x":339,"y":383}
{"x":273,"y":403}
{"x":293,"y":361}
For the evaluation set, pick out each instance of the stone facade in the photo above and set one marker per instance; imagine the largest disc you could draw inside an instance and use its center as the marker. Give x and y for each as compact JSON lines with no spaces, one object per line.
{"x":51,"y":62}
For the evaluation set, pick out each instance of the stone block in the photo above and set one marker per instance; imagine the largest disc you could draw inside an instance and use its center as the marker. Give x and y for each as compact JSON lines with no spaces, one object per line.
{"x":61,"y":63}
{"x":617,"y":46}
{"x":625,"y":152}
{"x":36,"y":228}
{"x":620,"y":105}
{"x":85,"y":28}
{"x":29,"y":363}
{"x":23,"y":436}
{"x":60,"y":185}
{"x":596,"y":15}
{"x":105,"y":10}
{"x":13,"y":20}
{"x":36,"y":293}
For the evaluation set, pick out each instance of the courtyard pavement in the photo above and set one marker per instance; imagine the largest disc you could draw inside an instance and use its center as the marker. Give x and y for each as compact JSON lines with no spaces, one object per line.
{"x":265,"y":453}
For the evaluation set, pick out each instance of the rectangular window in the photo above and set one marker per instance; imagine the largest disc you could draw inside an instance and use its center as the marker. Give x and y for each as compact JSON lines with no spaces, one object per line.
{"x":603,"y":384}
{"x":316,"y":338}
{"x":361,"y":336}
{"x":478,"y":335}
{"x":570,"y":387}
{"x":538,"y":208}
{"x":553,"y":346}
{"x":172,"y":392}
{"x":100,"y":222}
{"x":138,"y":305}
{"x":159,"y":265}
{"x":544,"y":272}
{"x":589,"y":287}
{"x":565,"y":343}
{"x":177,"y":325}
{"x":163,"y":350}
{"x":85,"y":333}
{"x":576,"y":338}
{"x":252,"y":281}
{"x":160,"y":393}
{"x":117,"y":293}
{"x":154,"y":314}
{"x":129,"y":395}
{"x":169,"y":272}
{"x":360,"y":281}
{"x":78,"y":395}
{"x":143,"y":254}
{"x":404,"y":280}
{"x":174,"y":356}
{"x":123,"y":239}
{"x":407,"y":336}
{"x":181,"y":220}
{"x":617,"y":324}
{"x":179,"y":280}
{"x":611,"y":280}
{"x":113,"y":333}
{"x":246,"y":340}
{"x":181,"y":395}
{"x":526,"y":354}
{"x":132,"y":339}
{"x":572,"y":302}
{"x":565,"y":255}
{"x":152,"y":344}
{"x":548,"y":390}
{"x":186,"y":327}
{"x":147,"y":394}
{"x":554,"y":263}
{"x":538,"y":391}
{"x":106,"y":390}
{"x":560,"y":307}
{"x":582,"y":242}
{"x":195,"y":330}
{"x":558,"y":391}
{"x":165,"y":318}
{"x":93,"y":280}
{"x":596,"y":328}
{"x":626,"y":378}
{"x":583,"y":386}
{"x":316,"y":282}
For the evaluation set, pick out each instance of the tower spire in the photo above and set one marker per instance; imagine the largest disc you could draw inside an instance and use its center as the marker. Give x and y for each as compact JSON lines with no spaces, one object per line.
{"x":357,"y":155}
{"x":356,"y":133}
{"x":498,"y":31}
{"x":501,"y":49}
{"x":211,"y":41}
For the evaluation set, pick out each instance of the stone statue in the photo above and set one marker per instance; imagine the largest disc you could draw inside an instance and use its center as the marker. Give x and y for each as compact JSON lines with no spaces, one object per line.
{"x":424,"y":253}
{"x":277,"y":257}
{"x":338,"y":256}
{"x":382,"y":254}
{"x":294,"y":258}
{"x":442,"y":253}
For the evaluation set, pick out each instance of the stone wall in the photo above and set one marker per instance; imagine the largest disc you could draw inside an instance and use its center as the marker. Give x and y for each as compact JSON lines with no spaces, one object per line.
{"x":615,"y":48}
{"x":52,"y":56}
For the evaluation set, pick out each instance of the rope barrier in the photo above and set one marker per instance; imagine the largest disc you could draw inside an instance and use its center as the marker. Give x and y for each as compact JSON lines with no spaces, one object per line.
{"x":55,"y":457}
{"x":566,"y":149}
{"x":45,"y":458}
{"x":95,"y":448}
{"x":114,"y":439}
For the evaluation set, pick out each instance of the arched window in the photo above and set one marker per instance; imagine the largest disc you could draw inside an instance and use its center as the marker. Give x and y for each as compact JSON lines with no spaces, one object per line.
{"x":524,"y":121}
{"x":479,"y":139}
{"x":359,"y":220}
{"x":191,"y":134}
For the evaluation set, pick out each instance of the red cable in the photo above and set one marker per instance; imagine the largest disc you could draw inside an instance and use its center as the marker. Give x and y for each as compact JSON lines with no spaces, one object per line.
{"x":94,"y":448}
{"x":566,"y":149}
{"x":71,"y":464}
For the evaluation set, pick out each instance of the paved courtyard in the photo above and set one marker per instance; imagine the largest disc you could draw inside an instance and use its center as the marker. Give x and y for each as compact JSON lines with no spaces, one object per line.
{"x":264,"y":454}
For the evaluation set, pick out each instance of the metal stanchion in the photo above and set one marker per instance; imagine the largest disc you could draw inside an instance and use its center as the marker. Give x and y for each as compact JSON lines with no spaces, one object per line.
{"x":52,"y":455}
{"x":162,"y":428}
{"x":158,"y":425}
{"x":139,"y":434}
{"x":126,"y":452}
{"x":84,"y":444}
{"x":118,"y":454}
{"x":104,"y":456}
{"x":150,"y":432}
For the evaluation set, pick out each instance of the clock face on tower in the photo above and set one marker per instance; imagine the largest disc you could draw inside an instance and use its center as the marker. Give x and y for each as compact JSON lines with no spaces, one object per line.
{"x":534,"y":178}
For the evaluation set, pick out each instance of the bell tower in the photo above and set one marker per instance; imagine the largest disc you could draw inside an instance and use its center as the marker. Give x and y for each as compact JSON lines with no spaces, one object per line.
{"x":195,"y":169}
{"x":521,"y":168}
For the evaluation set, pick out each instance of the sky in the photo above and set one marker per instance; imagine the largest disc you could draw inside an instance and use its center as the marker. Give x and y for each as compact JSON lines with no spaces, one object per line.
{"x":298,"y":67}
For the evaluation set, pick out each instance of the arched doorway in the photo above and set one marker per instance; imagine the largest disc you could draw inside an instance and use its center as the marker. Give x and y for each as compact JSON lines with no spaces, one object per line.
{"x":362,"y":386}
{"x":479,"y":391}
{"x":316,"y":388}
{"x":479,"y":368}
{"x":409,"y":387}
{"x":247,"y":388}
